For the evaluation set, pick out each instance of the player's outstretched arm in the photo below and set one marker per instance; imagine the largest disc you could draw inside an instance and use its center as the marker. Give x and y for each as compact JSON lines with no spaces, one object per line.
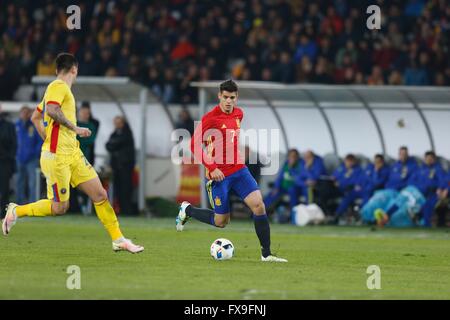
{"x":36,"y":119}
{"x":55,"y":112}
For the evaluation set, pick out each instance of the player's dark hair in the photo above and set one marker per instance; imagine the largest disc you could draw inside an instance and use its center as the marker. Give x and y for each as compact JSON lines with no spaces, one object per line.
{"x":350,"y":157}
{"x":404,"y":148}
{"x":379,"y":156}
{"x":430,"y":153}
{"x":229,"y":86}
{"x":86,"y":104}
{"x":64,"y":62}
{"x":294,"y":151}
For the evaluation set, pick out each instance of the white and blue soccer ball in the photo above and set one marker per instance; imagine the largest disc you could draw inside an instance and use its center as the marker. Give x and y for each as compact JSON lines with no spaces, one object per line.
{"x":222,"y":249}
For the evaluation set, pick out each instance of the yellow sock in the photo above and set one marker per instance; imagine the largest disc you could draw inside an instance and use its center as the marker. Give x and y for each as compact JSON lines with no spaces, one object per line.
{"x":108,"y":217}
{"x":39,"y":208}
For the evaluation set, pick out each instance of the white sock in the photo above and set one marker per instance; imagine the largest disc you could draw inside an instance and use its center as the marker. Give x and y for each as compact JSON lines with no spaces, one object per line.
{"x":121,"y":239}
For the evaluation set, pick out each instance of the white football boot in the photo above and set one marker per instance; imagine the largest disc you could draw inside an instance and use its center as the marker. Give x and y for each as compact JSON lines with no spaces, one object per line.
{"x":182,"y":217}
{"x":126,"y":245}
{"x":10,"y":218}
{"x":272,"y":258}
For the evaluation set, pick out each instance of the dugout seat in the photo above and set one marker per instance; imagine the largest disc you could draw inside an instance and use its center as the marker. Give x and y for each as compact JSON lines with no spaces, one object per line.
{"x":331,"y":162}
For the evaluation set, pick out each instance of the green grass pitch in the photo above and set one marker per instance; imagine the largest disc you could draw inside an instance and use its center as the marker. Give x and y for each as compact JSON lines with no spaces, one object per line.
{"x":324,"y":262}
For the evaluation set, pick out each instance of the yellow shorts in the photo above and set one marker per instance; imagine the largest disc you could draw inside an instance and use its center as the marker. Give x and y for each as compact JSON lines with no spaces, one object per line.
{"x":62,"y":170}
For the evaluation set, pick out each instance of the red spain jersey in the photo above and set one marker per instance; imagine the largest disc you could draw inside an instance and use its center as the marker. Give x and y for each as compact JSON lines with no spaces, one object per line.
{"x":219,"y":131}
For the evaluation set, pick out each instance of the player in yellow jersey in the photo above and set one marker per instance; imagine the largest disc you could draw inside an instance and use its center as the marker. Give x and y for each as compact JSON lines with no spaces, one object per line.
{"x":62,"y":161}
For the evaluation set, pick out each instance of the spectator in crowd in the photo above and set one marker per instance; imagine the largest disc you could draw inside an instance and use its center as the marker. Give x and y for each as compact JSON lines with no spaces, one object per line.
{"x":129,"y":39}
{"x":185,"y":121}
{"x":345,"y":74}
{"x":8,"y":148}
{"x":348,"y":178}
{"x":7,"y":83}
{"x":395,"y":78}
{"x":80,"y":201}
{"x":322,"y":73}
{"x":376,"y":77}
{"x":414,"y":8}
{"x":170,"y":85}
{"x":46,"y":66}
{"x":416,"y":76}
{"x":285,"y":183}
{"x":86,"y":109}
{"x":121,"y":148}
{"x":284,"y":71}
{"x":87,"y":143}
{"x":307,"y":47}
{"x":350,"y":51}
{"x":28,"y":152}
{"x":183,"y":49}
{"x":402,"y":170}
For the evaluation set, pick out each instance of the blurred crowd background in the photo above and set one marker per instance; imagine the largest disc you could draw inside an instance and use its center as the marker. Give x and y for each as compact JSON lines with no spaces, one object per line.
{"x":167,"y":44}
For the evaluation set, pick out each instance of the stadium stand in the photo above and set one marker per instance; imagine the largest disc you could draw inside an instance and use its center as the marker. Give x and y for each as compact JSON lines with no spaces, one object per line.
{"x":167,"y":44}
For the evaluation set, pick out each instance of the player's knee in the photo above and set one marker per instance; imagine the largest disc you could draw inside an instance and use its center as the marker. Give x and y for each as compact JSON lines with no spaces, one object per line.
{"x":221,"y":223}
{"x":99,"y":195}
{"x":102,"y":194}
{"x":259,"y":208}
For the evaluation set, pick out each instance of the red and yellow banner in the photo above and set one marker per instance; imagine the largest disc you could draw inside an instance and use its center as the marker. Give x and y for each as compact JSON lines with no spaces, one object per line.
{"x":190,"y":184}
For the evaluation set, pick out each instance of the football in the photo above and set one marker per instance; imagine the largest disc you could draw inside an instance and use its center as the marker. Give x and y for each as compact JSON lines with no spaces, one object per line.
{"x":222,"y":249}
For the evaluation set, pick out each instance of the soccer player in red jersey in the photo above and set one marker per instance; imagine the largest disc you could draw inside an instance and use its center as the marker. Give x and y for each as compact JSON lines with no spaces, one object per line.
{"x":226,"y":171}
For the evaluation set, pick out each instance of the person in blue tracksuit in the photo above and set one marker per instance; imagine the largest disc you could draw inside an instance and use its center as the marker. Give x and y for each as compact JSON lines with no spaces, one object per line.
{"x":349,"y":179}
{"x":313,"y":168}
{"x":285,"y":182}
{"x":401,"y":210}
{"x":400,"y":174}
{"x":381,"y":199}
{"x":402,"y":170}
{"x":376,"y":176}
{"x":442,"y":205}
{"x":429,"y":179}
{"x":419,"y":197}
{"x":27,"y":157}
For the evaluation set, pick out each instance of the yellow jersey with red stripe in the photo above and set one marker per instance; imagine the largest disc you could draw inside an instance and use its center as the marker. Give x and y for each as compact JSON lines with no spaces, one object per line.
{"x":59,"y":139}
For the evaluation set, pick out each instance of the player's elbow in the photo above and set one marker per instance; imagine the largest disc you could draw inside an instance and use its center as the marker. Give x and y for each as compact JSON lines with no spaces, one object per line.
{"x":59,"y":211}
{"x":60,"y":208}
{"x":36,"y":117}
{"x":51,"y":111}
